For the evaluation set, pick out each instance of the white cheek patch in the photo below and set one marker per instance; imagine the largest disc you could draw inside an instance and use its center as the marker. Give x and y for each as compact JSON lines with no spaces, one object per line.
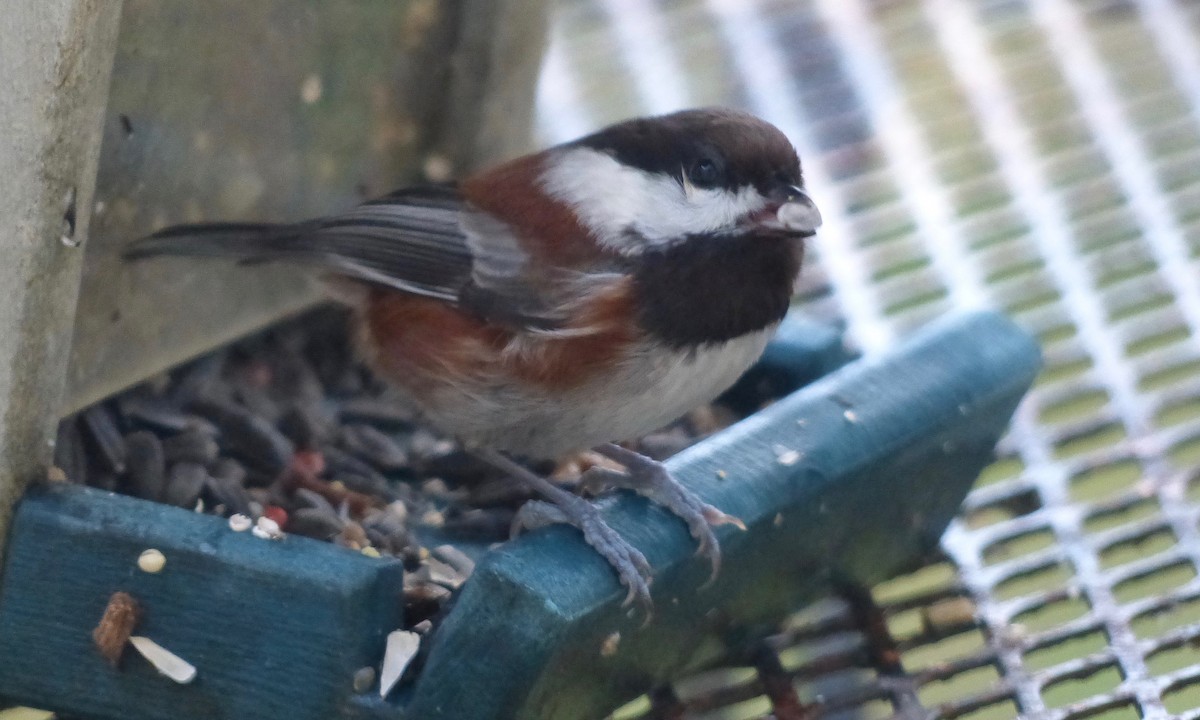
{"x":611,"y":198}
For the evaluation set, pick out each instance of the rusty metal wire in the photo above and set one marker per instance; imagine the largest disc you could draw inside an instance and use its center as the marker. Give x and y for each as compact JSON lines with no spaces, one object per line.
{"x":1041,"y":156}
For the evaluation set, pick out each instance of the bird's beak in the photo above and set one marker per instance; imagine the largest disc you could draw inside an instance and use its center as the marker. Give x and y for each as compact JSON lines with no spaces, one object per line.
{"x":798,"y":213}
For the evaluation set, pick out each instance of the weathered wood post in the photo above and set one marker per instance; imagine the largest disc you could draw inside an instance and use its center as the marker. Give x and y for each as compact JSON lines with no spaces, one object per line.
{"x":56,"y":57}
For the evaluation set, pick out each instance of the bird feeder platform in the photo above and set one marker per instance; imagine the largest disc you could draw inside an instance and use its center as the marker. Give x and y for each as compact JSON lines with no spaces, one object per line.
{"x":848,"y":480}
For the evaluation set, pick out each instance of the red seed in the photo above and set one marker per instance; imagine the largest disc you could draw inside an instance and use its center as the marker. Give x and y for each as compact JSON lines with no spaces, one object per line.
{"x":276,"y":513}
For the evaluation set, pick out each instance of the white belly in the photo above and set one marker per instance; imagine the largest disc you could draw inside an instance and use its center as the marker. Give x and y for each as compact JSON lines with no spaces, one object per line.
{"x":653,"y":386}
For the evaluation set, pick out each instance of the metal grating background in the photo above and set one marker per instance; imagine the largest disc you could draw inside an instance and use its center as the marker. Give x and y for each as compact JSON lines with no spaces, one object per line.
{"x":1038,"y":156}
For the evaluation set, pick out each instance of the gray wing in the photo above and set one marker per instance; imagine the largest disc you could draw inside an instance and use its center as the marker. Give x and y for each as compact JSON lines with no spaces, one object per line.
{"x":409,"y":241}
{"x":424,"y":241}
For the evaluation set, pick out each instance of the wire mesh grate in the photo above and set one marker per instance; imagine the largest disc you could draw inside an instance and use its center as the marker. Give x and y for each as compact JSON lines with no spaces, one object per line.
{"x":1038,"y":156}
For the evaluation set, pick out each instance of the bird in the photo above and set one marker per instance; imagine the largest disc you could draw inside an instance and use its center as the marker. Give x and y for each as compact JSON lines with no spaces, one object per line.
{"x":568,"y":299}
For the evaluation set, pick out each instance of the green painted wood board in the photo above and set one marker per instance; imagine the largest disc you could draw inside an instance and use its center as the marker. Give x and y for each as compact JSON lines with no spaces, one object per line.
{"x":886,"y":449}
{"x":276,"y":629}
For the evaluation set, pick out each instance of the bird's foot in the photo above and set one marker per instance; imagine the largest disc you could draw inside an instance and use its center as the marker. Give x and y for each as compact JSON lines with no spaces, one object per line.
{"x":631,"y":566}
{"x":651,"y":479}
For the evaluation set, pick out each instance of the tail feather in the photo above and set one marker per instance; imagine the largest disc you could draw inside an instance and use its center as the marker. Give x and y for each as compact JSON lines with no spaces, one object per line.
{"x":246,"y":241}
{"x":410,"y":242}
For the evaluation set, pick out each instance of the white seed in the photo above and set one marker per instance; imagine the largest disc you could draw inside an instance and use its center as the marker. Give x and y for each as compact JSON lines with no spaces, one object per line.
{"x":151,"y":561}
{"x":402,"y":647}
{"x":364,"y":678}
{"x":267,"y":529}
{"x":239,"y":523}
{"x":787,"y":457}
{"x":850,"y":416}
{"x":163,"y":660}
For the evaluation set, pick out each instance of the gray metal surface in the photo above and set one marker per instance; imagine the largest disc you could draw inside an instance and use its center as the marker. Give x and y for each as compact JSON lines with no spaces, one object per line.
{"x":276,"y":110}
{"x":1042,"y":157}
{"x":56,"y":56}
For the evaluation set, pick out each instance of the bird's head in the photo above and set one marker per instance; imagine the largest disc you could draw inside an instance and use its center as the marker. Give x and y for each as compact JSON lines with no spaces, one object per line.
{"x":655,"y":181}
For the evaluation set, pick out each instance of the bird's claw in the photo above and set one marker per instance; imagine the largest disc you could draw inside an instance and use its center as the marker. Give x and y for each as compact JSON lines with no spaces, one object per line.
{"x":652,"y":480}
{"x":630,"y":564}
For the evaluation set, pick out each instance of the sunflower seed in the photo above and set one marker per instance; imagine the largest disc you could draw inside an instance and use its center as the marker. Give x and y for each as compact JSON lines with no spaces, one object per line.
{"x":69,"y":453}
{"x":247,"y":436}
{"x":104,"y":437}
{"x":191,"y":446}
{"x":315,"y":523}
{"x":146,"y":464}
{"x":164,"y":661}
{"x":184,"y":484}
{"x":402,"y":647}
{"x":375,"y":447}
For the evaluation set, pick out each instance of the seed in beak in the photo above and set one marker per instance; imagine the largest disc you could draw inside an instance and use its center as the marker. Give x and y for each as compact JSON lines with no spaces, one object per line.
{"x":799,"y":213}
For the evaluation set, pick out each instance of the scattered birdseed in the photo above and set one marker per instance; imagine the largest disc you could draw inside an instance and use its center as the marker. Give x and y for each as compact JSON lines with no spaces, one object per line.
{"x":423,"y":627}
{"x":786,"y":456}
{"x":56,"y":474}
{"x":164,"y":661}
{"x":151,"y":561}
{"x":364,"y":678}
{"x":608,"y":647}
{"x":267,"y":529}
{"x":850,"y":416}
{"x":443,"y":573}
{"x":456,"y":559}
{"x":402,"y":646}
{"x":721,"y":474}
{"x":370,"y":551}
{"x":117,"y":624}
{"x":277,"y":514}
{"x":290,"y":424}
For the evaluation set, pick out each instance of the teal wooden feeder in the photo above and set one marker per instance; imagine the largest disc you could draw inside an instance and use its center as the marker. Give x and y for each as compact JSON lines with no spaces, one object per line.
{"x":851,"y":478}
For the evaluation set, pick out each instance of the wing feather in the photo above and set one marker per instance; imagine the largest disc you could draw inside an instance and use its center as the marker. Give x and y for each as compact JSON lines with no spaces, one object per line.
{"x":423,"y":241}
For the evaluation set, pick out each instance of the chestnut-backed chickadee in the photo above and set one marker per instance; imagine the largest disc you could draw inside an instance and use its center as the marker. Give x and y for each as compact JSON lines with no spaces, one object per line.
{"x":582,"y":295}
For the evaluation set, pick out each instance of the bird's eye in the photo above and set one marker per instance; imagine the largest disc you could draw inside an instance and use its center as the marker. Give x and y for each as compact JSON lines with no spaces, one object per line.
{"x":704,"y":173}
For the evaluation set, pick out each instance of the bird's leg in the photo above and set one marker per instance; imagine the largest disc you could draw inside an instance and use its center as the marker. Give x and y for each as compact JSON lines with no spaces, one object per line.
{"x":650,"y":479}
{"x":564,"y":507}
